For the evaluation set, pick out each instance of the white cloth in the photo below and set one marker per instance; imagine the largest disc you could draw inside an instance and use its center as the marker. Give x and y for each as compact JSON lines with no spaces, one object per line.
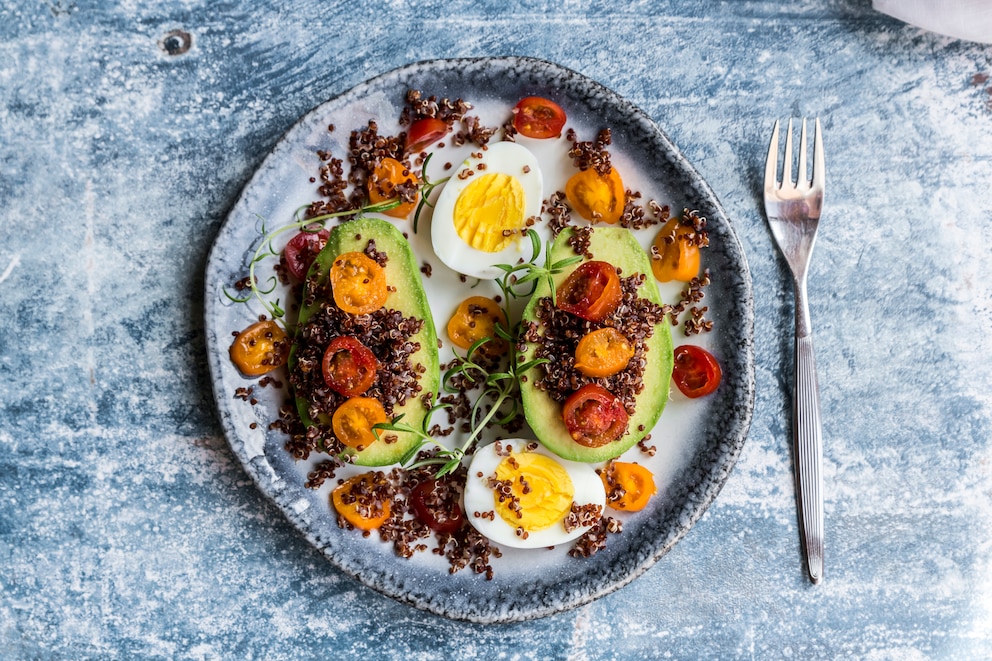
{"x":962,"y":19}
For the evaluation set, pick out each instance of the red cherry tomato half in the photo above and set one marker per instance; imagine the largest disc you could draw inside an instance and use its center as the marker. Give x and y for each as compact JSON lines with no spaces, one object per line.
{"x":539,"y":118}
{"x":301,"y":250}
{"x":435,"y":506}
{"x":594,"y":416}
{"x":349,"y":366}
{"x":424,"y":132}
{"x":696,"y":371}
{"x":591,"y":291}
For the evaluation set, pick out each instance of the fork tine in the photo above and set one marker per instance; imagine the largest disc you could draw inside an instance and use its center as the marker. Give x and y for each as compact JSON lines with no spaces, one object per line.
{"x":801,"y":172}
{"x":819,"y":169}
{"x":787,"y":163}
{"x":771,"y":163}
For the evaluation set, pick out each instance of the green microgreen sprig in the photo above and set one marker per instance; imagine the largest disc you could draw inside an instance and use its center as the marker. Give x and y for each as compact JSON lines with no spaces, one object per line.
{"x":396,"y":425}
{"x":497,"y":402}
{"x":500,"y":388}
{"x":266,"y":249}
{"x":516,"y":277}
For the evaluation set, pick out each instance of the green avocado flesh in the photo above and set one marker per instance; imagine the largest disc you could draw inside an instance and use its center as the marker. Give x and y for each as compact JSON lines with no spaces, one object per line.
{"x":402,"y":273}
{"x":618,"y":247}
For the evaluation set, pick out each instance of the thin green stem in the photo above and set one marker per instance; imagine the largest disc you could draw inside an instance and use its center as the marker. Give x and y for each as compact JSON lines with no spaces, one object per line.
{"x":426,"y":188}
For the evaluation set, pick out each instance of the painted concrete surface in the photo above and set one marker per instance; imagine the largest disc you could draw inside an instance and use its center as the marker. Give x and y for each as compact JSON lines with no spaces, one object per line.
{"x":128,"y":529}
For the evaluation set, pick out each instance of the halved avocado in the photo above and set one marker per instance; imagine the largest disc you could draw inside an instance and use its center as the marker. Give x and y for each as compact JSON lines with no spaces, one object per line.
{"x":408,"y":298}
{"x":617,"y":246}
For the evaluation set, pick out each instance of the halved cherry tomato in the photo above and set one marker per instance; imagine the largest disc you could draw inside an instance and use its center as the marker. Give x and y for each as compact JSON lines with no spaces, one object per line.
{"x":696,"y":371}
{"x":384,"y":180}
{"x":302,"y":249}
{"x":349,"y":367}
{"x":352,"y":421}
{"x":635,"y":481}
{"x":596,"y":197}
{"x":603,"y":352}
{"x":423,"y":132}
{"x":358,"y":283}
{"x":594,"y":416}
{"x":539,"y":118}
{"x":591,"y":291}
{"x":675,"y":256}
{"x":475,"y":318}
{"x":436,"y":506}
{"x":260,"y":348}
{"x":357,"y":501}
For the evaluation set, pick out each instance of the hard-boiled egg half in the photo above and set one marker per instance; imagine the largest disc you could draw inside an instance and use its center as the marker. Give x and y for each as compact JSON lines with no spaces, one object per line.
{"x":480,"y":217}
{"x":520,"y":495}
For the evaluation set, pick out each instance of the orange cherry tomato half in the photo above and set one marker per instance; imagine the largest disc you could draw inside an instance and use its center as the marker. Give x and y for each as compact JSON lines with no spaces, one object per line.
{"x":358,"y":283}
{"x":423,"y":133}
{"x":384,"y":182}
{"x":696,"y":371}
{"x":436,"y":506}
{"x":594,"y":416}
{"x":540,"y":118}
{"x":629,"y":486}
{"x":603,"y":353}
{"x":302,"y":249}
{"x":352,"y":421}
{"x":358,"y":503}
{"x":349,"y":366}
{"x":591,"y":291}
{"x":596,"y":197}
{"x":674,"y":256}
{"x":475,"y":318}
{"x":260,"y":348}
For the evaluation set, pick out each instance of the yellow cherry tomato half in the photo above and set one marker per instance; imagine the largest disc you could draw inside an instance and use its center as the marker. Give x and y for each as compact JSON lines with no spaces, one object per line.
{"x":361,"y":502}
{"x":674,"y":255}
{"x":390,"y":180}
{"x":603,"y":353}
{"x":260,"y":348}
{"x":629,"y":486}
{"x":596,"y":197}
{"x":475,"y":318}
{"x":353,"y":420}
{"x":358,"y":283}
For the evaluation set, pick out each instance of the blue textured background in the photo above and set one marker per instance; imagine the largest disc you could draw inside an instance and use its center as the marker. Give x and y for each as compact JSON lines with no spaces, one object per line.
{"x":127,"y":529}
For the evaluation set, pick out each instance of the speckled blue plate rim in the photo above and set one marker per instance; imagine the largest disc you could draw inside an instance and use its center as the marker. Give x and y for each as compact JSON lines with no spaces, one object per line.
{"x":640,"y":547}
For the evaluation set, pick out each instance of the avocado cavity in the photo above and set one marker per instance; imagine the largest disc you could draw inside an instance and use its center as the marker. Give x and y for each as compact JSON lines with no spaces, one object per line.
{"x":618,"y":247}
{"x":405,"y":377}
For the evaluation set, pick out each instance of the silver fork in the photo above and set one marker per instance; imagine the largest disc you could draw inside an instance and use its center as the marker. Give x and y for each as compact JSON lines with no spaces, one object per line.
{"x":793,"y":211}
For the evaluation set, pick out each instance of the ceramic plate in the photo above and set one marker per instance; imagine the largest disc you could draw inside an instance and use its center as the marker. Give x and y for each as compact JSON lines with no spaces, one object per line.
{"x":697,"y":441}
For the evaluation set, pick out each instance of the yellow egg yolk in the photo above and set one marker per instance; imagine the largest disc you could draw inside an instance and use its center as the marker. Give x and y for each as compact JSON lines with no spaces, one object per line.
{"x":489,"y":213}
{"x":540,"y":489}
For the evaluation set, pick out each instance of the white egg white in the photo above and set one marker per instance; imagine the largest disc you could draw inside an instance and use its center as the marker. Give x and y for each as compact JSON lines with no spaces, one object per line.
{"x":500,"y":157}
{"x":479,"y":498}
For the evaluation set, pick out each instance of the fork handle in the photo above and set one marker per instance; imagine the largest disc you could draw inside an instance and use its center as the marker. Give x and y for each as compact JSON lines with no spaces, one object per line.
{"x":807,"y":439}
